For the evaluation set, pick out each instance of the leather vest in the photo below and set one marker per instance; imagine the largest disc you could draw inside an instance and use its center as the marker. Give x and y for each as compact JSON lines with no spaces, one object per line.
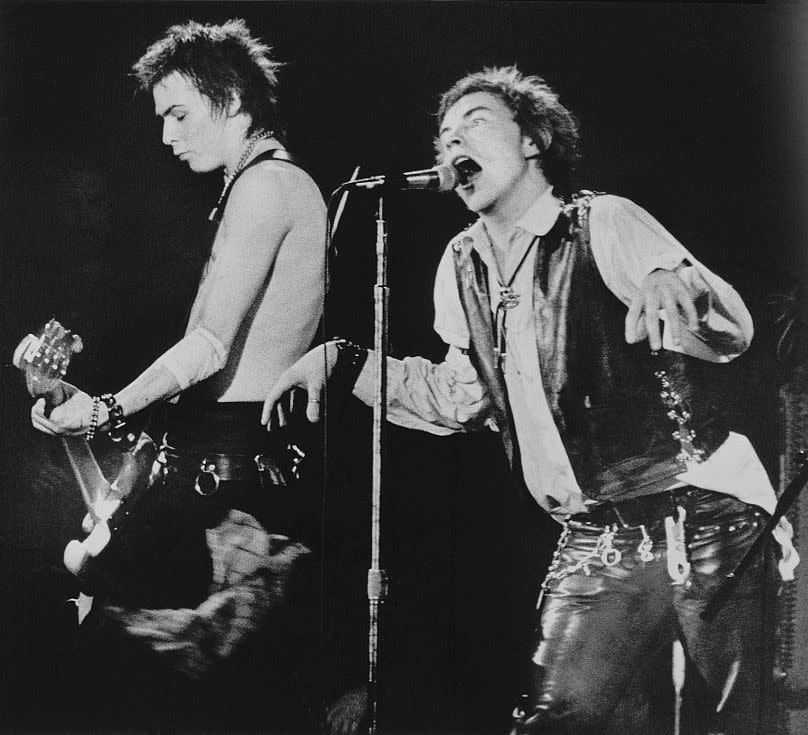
{"x":629,"y":420}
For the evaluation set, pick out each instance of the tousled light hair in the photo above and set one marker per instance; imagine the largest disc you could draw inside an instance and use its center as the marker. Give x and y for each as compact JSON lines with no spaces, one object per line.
{"x":536,"y":109}
{"x":220,"y":60}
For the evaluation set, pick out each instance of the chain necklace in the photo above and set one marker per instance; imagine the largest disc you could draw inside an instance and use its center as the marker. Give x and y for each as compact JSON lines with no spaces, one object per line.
{"x":251,"y":142}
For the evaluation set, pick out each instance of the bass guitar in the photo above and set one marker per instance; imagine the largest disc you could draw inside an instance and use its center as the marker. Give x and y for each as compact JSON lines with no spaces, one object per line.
{"x":44,"y":359}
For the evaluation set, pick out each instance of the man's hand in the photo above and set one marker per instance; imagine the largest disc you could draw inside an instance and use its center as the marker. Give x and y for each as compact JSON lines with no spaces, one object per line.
{"x":311,"y":373}
{"x":349,"y":711}
{"x":71,"y":418}
{"x":660,"y":289}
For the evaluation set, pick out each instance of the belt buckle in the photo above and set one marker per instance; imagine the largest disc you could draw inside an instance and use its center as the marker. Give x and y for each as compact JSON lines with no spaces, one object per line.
{"x":207,"y":481}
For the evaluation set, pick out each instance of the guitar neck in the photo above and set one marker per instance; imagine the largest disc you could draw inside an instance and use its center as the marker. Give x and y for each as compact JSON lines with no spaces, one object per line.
{"x":58,"y":392}
{"x":91,"y":480}
{"x":44,"y":360}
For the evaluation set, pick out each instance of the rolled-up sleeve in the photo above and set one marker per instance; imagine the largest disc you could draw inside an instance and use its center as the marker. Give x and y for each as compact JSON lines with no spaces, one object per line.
{"x":628,"y":244}
{"x":443,"y":398}
{"x":439,"y":398}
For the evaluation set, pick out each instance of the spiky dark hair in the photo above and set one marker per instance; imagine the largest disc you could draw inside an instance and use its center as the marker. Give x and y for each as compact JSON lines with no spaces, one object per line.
{"x":537,"y":110}
{"x":220,"y":60}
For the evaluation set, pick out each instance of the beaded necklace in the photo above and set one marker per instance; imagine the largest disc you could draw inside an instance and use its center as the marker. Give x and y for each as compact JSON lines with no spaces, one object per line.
{"x":251,"y":142}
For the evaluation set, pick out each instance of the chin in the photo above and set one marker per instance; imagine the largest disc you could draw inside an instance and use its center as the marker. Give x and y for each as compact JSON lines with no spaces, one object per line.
{"x":201,"y":165}
{"x":477,"y":204}
{"x":199,"y":168}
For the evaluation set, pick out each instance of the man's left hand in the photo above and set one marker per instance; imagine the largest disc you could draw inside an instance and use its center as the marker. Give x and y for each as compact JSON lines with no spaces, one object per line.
{"x":660,"y":289}
{"x":71,"y":418}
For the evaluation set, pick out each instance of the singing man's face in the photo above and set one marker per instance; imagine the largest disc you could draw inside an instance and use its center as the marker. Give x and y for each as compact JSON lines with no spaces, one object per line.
{"x":481,"y":138}
{"x":196,"y":132}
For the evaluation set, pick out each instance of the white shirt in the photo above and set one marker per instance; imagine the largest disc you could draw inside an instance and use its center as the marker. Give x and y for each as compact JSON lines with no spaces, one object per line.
{"x":627,"y":244}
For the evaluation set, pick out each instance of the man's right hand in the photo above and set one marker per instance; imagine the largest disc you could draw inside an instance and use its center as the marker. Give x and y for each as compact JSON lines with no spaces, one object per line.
{"x":348,"y":713}
{"x":311,"y":373}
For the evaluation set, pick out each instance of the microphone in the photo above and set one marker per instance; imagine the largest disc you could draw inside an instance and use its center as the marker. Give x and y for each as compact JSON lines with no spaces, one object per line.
{"x":440,"y":178}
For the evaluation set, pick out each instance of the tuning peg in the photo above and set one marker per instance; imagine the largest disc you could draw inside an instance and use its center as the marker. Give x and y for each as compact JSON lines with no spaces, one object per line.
{"x":78,"y":344}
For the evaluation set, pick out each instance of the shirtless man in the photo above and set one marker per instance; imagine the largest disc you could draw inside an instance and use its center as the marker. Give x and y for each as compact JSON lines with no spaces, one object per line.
{"x":212,"y":577}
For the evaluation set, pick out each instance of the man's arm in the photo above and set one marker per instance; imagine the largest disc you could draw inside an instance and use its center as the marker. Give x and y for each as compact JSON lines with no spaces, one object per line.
{"x":651,"y":272}
{"x":441,"y":399}
{"x":254,"y":225}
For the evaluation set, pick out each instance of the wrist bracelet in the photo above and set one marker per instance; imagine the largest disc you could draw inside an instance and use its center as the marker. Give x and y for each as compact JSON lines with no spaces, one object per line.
{"x":117,"y":423}
{"x":93,"y":419}
{"x":351,"y":359}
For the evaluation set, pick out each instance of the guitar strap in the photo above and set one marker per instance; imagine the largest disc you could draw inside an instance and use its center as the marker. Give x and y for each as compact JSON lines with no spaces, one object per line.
{"x":276,"y":154}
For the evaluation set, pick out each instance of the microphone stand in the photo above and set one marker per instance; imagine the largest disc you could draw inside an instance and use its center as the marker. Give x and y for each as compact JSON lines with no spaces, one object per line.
{"x":377,"y":577}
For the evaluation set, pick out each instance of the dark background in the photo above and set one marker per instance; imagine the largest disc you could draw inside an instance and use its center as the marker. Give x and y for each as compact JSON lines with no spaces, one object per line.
{"x":690,"y":110}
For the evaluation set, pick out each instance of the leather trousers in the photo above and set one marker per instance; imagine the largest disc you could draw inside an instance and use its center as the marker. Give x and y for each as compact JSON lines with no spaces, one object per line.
{"x":609,"y":605}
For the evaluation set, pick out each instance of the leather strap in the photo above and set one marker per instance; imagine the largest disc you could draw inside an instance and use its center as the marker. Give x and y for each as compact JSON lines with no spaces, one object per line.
{"x":275,"y":154}
{"x":227,"y":467}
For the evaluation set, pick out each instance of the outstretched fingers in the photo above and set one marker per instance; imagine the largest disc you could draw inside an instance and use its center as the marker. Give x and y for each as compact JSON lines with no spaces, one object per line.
{"x":653,"y":319}
{"x":635,"y":324}
{"x":281,"y":401}
{"x":313,"y":405}
{"x":272,"y":403}
{"x":662,"y":291}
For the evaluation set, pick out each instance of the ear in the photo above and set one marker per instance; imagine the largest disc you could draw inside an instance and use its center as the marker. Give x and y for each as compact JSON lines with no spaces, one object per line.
{"x":234,"y":106}
{"x":532,"y":148}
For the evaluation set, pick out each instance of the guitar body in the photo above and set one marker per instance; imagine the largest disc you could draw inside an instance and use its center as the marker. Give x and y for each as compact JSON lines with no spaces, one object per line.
{"x":109,"y":559}
{"x":109,"y":510}
{"x":146,"y":534}
{"x":153,"y":547}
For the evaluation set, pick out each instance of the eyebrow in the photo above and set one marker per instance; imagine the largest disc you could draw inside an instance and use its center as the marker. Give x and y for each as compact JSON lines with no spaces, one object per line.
{"x":466,"y":115}
{"x":167,"y":111}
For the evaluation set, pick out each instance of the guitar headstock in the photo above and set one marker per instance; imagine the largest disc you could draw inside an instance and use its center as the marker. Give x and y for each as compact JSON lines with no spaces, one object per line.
{"x":45,"y":358}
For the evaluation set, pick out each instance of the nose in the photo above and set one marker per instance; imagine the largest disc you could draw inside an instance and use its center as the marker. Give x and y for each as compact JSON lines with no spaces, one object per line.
{"x":169,"y":131}
{"x":452,"y":136}
{"x":455,"y":135}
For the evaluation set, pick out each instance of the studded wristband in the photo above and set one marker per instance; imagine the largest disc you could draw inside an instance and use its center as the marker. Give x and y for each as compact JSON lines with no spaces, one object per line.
{"x":117,"y":423}
{"x":351,"y":359}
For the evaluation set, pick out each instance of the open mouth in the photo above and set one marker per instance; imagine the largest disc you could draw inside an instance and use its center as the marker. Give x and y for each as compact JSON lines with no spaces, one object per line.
{"x":466,"y":169}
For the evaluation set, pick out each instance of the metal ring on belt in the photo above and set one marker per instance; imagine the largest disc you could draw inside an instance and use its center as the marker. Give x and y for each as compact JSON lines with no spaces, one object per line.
{"x":212,"y":467}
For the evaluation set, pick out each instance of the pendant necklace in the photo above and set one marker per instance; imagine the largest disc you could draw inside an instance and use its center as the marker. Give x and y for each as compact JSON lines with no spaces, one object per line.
{"x":508,"y":299}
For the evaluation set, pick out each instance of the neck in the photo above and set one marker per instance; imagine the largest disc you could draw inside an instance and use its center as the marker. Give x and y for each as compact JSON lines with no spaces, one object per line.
{"x":244,"y":151}
{"x":503,"y":216}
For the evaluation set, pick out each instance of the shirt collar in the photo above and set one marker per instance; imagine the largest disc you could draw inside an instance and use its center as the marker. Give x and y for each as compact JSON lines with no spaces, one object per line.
{"x":537,"y":221}
{"x":542,"y":215}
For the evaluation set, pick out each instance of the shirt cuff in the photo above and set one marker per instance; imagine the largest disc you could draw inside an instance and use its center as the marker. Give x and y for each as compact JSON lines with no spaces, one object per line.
{"x":195,"y":357}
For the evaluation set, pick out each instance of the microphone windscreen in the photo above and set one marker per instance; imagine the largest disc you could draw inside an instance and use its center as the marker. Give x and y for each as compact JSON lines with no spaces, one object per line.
{"x":448,"y":177}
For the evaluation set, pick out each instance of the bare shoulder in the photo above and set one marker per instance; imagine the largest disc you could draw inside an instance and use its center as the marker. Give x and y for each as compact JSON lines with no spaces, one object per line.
{"x":280,"y":182}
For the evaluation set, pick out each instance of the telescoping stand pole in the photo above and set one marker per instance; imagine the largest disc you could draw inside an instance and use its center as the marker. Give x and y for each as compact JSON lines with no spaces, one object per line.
{"x":377,"y":578}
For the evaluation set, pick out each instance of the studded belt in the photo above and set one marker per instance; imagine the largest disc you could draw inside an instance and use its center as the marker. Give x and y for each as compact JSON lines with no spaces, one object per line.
{"x":648,"y":511}
{"x":211,"y":468}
